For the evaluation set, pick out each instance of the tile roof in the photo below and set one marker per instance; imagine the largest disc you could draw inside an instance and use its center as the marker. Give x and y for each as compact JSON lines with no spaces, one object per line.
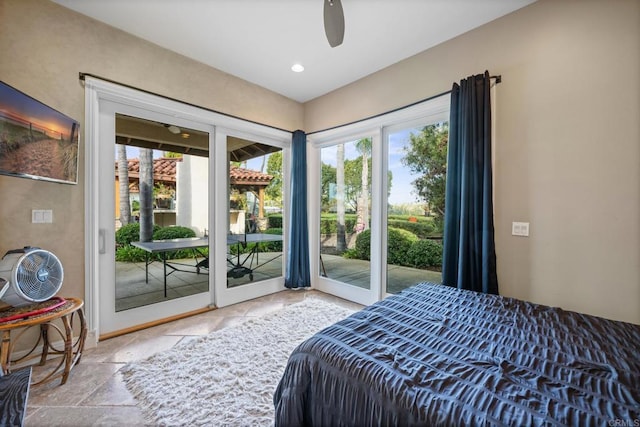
{"x":164,"y":169}
{"x":241,"y":176}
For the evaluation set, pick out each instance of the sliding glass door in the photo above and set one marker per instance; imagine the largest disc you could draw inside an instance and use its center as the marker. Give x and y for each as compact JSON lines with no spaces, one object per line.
{"x":379,"y":199}
{"x":165,"y":188}
{"x":251,"y":192}
{"x":344,"y":232}
{"x":417,"y":160}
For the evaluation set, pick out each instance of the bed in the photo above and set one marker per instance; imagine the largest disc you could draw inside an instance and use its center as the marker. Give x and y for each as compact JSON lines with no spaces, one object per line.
{"x":436,"y":355}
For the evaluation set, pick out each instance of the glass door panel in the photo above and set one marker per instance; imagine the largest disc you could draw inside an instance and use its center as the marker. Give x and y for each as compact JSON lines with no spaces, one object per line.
{"x":161,"y":212}
{"x":415,"y":205}
{"x":345,"y":215}
{"x":255,"y":201}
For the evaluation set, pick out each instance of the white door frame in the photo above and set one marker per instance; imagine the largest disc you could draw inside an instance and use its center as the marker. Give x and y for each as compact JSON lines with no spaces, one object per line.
{"x":101,"y":95}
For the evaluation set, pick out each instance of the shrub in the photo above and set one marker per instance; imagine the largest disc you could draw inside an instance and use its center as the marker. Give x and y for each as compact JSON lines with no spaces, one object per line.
{"x":329,"y":223}
{"x":425,"y":253}
{"x":422,"y":229}
{"x":275,"y":221}
{"x":130,"y":233}
{"x":272,"y":246}
{"x":363,"y":245}
{"x":128,"y":253}
{"x":398,"y":244}
{"x":173,"y":232}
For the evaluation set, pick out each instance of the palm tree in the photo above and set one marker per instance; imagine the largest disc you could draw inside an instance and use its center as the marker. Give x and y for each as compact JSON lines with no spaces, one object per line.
{"x":364,"y":148}
{"x":341,"y":243}
{"x":146,"y":194}
{"x":123,"y":181}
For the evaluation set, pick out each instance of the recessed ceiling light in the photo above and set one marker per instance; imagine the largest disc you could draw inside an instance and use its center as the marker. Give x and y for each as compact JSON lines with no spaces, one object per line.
{"x":297,"y":68}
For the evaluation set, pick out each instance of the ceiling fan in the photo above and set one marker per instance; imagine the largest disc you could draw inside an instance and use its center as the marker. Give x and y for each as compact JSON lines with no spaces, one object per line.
{"x":334,"y":22}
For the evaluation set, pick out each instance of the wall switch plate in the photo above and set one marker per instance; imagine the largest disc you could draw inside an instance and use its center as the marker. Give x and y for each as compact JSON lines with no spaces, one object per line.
{"x":41,"y":216}
{"x":520,"y":229}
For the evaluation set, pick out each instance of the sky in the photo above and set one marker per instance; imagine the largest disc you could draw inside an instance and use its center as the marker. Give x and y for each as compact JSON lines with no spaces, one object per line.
{"x":401,"y":187}
{"x":17,"y":106}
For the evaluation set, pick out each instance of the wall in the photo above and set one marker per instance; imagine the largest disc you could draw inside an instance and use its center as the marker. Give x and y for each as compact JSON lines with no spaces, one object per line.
{"x":568,"y":143}
{"x":43,"y":47}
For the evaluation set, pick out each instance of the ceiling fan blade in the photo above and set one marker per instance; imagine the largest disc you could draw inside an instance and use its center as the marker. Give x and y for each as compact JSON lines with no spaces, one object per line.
{"x":334,"y":22}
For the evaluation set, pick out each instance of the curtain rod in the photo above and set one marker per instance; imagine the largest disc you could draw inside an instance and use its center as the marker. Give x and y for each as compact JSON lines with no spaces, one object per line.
{"x":83,"y":75}
{"x":497,"y":78}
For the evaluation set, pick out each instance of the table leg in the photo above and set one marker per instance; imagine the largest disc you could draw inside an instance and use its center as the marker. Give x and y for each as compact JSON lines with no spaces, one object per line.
{"x":4,"y":351}
{"x":164,"y":265}
{"x":68,"y":348}
{"x":44,"y":333}
{"x":146,"y":266}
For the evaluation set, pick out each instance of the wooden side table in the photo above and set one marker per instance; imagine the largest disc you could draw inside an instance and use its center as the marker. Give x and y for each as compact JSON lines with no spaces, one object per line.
{"x":69,"y":347}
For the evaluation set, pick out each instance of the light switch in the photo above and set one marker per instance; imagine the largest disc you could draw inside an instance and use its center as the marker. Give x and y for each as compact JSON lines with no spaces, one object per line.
{"x":520,"y":229}
{"x":42,"y":216}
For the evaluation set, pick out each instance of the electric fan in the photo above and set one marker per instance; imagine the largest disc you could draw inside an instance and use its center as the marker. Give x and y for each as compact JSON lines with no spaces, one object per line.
{"x":31,"y":275}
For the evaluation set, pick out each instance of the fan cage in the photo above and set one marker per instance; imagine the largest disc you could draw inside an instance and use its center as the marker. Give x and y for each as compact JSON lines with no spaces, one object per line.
{"x":38,"y":275}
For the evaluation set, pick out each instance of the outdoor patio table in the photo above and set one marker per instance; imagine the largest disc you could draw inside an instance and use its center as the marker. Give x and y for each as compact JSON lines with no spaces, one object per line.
{"x":170,"y":245}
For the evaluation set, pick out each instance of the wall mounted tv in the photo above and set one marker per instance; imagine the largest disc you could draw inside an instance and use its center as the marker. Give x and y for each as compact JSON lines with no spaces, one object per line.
{"x":36,"y":141}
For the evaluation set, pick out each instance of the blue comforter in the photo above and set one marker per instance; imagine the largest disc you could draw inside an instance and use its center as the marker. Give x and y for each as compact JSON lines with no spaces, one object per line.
{"x":435,"y":355}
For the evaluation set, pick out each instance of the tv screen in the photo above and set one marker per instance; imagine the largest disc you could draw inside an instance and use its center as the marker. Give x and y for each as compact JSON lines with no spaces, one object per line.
{"x":36,"y":141}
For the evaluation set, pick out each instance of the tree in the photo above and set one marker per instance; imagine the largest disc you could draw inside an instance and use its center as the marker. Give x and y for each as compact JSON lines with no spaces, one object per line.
{"x":146,"y":194}
{"x":328,"y":181}
{"x":364,"y":148}
{"x":274,"y":168}
{"x":123,"y":182}
{"x":426,"y":156}
{"x":341,"y":242}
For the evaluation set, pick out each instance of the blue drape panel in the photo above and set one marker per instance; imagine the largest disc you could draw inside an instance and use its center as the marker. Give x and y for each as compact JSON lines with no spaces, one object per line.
{"x":469,"y":257}
{"x":297,"y":271}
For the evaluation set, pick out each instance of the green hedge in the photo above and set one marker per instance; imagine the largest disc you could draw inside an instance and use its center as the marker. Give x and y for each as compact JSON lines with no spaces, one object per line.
{"x":130,"y":233}
{"x":424,"y":254}
{"x":422,"y":229}
{"x":125,"y":252}
{"x":275,"y":221}
{"x":329,"y":223}
{"x":173,"y":232}
{"x":363,"y":246}
{"x":404,"y":248}
{"x":399,"y":243}
{"x":275,"y":246}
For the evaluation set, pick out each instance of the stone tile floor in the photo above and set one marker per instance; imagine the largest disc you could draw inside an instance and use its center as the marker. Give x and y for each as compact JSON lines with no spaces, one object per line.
{"x":95,"y":394}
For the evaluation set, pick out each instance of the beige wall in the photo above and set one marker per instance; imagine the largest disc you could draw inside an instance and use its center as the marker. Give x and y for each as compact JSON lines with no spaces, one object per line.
{"x":43,"y":47}
{"x":568,"y":143}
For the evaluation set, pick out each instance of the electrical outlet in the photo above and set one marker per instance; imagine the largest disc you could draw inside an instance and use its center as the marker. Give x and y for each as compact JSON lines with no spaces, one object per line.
{"x":520,"y":229}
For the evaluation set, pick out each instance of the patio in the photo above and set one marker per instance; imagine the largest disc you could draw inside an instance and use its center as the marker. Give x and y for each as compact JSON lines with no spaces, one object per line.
{"x":132,"y":290}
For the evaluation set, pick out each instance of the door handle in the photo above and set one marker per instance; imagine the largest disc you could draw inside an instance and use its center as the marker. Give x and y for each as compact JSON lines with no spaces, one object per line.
{"x":101,"y":241}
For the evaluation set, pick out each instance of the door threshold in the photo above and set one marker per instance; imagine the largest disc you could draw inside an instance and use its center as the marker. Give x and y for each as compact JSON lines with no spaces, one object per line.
{"x":147,"y":325}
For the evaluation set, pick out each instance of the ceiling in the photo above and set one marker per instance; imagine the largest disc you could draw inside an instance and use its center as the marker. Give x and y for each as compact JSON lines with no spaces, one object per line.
{"x":259,"y":40}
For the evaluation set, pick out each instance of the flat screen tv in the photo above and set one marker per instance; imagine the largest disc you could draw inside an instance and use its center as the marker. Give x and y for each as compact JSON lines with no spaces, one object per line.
{"x":36,"y":141}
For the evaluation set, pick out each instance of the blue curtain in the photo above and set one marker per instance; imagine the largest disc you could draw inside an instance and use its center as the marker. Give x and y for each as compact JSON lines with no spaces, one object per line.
{"x":469,"y":256}
{"x":297,"y":271}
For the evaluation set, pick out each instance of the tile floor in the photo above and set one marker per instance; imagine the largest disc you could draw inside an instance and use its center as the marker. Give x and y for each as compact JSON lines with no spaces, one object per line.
{"x":95,"y":395}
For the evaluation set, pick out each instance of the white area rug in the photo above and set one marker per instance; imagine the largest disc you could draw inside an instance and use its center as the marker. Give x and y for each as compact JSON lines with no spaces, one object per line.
{"x":229,"y":376}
